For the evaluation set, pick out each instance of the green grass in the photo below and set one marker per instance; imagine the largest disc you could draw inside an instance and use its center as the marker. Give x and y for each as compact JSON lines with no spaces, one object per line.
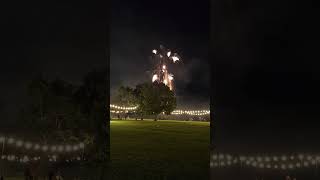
{"x":159,"y":150}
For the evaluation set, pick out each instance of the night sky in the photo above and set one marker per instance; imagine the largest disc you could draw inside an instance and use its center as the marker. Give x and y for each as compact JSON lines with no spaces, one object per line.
{"x":58,"y":39}
{"x":138,"y":27}
{"x":266,"y":95}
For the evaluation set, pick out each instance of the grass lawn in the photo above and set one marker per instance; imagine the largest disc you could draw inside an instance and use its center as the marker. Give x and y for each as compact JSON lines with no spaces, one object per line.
{"x":159,"y":150}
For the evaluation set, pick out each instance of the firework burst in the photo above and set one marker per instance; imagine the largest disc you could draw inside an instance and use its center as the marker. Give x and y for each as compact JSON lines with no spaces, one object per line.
{"x":164,"y":57}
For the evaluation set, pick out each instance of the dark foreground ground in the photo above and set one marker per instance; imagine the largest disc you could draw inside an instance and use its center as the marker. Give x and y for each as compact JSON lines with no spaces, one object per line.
{"x":253,"y":174}
{"x":159,"y":150}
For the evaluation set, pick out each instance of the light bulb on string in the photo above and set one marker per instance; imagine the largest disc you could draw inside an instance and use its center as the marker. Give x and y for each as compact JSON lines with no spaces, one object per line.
{"x":275,"y":158}
{"x":68,"y":148}
{"x":36,"y":147}
{"x":75,"y":147}
{"x":44,"y":148}
{"x":53,"y":148}
{"x":259,"y":159}
{"x":10,"y":140}
{"x":60,"y":148}
{"x":221,"y":156}
{"x":267,"y":159}
{"x":292,"y":157}
{"x":19,"y":143}
{"x":214,"y":157}
{"x":235,"y":161}
{"x":284,"y":158}
{"x":242,"y":158}
{"x":28,"y":145}
{"x":81,"y":145}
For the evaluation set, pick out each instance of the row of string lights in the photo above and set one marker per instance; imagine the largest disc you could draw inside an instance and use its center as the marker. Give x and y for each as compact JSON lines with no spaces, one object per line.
{"x":26,"y":158}
{"x":197,"y":113}
{"x":283,"y":162}
{"x":27,"y":145}
{"x":123,"y":107}
{"x":119,"y":109}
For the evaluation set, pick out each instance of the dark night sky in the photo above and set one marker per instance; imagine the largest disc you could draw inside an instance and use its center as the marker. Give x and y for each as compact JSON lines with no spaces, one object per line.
{"x":266,"y":76}
{"x":58,"y":39}
{"x":137,"y":27}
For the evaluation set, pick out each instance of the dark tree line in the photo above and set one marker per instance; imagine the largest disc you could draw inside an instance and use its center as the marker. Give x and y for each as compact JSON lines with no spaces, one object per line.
{"x":151,"y":99}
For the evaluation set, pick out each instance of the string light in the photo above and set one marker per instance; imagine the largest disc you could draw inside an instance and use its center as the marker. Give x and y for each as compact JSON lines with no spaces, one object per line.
{"x":123,"y":107}
{"x":284,"y":158}
{"x":28,"y":145}
{"x":214,"y":157}
{"x":309,"y":157}
{"x":175,"y":112}
{"x":19,"y":143}
{"x":259,"y":159}
{"x":275,"y":158}
{"x":60,"y":148}
{"x":283,"y":162}
{"x":44,"y":148}
{"x":267,"y":159}
{"x":10,"y":141}
{"x":68,"y":148}
{"x":37,"y":147}
{"x":292,"y":157}
{"x":2,"y":139}
{"x":194,"y":112}
{"x":25,"y":158}
{"x":53,"y":148}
